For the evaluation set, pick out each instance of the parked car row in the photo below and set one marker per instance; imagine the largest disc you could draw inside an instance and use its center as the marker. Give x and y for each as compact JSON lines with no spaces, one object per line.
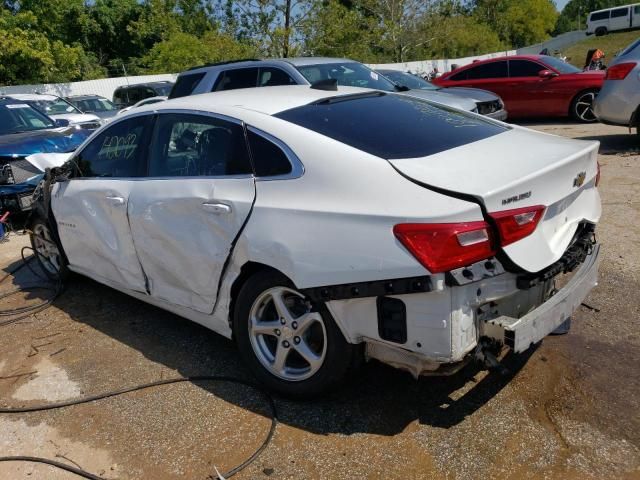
{"x":320,"y":213}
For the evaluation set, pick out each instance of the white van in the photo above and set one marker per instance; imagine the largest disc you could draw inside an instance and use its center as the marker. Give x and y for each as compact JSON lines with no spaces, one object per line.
{"x":601,"y":22}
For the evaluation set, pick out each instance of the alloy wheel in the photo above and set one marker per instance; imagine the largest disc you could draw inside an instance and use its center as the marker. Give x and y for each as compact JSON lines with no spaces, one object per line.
{"x":584,"y":107}
{"x":287,"y":337}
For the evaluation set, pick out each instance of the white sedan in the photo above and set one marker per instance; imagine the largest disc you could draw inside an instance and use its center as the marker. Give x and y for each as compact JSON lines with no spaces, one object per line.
{"x":318,"y":227}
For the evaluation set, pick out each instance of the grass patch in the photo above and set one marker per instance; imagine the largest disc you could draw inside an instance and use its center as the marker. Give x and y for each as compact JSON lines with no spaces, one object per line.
{"x":610,"y":44}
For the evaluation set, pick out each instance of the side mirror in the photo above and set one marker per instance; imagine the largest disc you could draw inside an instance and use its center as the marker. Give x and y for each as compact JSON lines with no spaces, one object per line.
{"x":546,"y":74}
{"x":61,"y":122}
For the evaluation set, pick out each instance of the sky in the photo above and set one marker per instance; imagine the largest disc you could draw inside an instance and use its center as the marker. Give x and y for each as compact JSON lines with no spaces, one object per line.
{"x":560,"y":4}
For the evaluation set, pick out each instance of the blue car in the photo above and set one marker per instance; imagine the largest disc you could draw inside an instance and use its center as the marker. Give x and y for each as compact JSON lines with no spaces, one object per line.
{"x":23,"y":132}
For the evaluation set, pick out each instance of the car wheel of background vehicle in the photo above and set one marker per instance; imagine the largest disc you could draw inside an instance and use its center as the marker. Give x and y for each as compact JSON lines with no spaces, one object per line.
{"x":289,"y":346}
{"x":600,"y":31}
{"x":47,"y":251}
{"x":582,"y":106}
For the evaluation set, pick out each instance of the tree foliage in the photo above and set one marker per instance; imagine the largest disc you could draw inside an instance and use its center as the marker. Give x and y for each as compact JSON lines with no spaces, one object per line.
{"x":67,"y":40}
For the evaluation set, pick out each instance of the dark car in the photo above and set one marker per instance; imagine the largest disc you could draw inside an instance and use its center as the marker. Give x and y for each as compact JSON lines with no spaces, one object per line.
{"x":532,"y":85}
{"x":99,"y":106}
{"x":127,"y":95}
{"x":23,"y":132}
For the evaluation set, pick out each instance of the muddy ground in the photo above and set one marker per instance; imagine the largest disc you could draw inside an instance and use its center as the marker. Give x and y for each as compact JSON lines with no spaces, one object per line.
{"x":569,"y":409}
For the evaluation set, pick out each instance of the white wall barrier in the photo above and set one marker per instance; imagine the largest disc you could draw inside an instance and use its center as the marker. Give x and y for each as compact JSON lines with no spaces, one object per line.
{"x":104,"y":87}
{"x":426,"y":66}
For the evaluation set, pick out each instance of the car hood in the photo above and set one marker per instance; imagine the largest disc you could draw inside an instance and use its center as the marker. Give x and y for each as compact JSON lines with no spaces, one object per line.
{"x":58,"y":140}
{"x":475,"y":94}
{"x":76,"y":117}
{"x":444,"y":98}
{"x":105,"y":114}
{"x":521,"y":168}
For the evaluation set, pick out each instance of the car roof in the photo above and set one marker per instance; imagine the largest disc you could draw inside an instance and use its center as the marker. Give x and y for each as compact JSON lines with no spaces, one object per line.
{"x":252,"y":62}
{"x":303,"y":61}
{"x":267,"y":100}
{"x":31,"y":96}
{"x":84,"y":97}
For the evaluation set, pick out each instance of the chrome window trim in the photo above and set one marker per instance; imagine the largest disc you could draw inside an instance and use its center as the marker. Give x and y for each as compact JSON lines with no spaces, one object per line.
{"x":297,"y":167}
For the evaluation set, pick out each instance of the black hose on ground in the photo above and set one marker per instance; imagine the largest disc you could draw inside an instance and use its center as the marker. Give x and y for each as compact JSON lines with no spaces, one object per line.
{"x":23,"y":312}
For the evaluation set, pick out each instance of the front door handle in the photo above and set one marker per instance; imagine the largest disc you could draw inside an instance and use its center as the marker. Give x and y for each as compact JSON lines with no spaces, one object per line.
{"x":217,"y":208}
{"x":115,"y":200}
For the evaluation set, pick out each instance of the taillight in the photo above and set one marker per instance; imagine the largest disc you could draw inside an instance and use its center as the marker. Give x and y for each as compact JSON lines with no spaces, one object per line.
{"x":441,"y":247}
{"x":514,"y":225}
{"x":598,"y":175}
{"x":619,"y":71}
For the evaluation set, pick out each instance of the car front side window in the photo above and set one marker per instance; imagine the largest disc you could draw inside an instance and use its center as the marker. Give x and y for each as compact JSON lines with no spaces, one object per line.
{"x":524,"y":68}
{"x":187,"y":145}
{"x":117,"y":152}
{"x":236,"y":78}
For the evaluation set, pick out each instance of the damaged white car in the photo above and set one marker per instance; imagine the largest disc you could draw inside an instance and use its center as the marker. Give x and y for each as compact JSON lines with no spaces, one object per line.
{"x":317,"y":228}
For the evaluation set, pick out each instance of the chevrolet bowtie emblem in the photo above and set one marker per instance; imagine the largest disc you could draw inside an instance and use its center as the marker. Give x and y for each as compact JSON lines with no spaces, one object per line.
{"x":579,"y":180}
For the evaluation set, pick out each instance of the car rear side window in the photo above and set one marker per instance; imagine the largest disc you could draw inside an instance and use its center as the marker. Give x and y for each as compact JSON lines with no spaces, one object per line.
{"x":599,"y":16}
{"x":620,"y":12}
{"x":117,"y":152}
{"x":488,"y":70}
{"x":185,"y":84}
{"x":268,"y":158}
{"x":237,"y":78}
{"x":391,"y":126}
{"x":524,"y":68}
{"x":187,"y":145}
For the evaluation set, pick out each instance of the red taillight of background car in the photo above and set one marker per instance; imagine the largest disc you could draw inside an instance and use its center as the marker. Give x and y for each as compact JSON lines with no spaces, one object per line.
{"x":441,"y":247}
{"x":514,"y":225}
{"x":619,"y":71}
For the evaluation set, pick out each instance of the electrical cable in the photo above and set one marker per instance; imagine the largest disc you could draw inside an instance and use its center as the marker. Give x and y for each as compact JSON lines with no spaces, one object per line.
{"x":24,"y":312}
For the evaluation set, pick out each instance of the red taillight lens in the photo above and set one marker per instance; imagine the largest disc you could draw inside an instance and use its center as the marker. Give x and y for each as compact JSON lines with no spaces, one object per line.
{"x":441,"y":247}
{"x":514,"y":225}
{"x":619,"y":71}
{"x":598,"y":175}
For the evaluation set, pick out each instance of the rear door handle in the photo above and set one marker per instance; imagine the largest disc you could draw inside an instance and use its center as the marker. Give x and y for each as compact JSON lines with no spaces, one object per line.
{"x":115,"y":200}
{"x":217,"y":208}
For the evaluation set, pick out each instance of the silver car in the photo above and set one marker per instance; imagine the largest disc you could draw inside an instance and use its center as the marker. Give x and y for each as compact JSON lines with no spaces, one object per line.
{"x":618,"y":103}
{"x":319,"y":72}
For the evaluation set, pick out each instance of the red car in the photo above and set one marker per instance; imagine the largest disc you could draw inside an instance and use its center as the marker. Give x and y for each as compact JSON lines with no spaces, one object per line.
{"x":532,"y":85}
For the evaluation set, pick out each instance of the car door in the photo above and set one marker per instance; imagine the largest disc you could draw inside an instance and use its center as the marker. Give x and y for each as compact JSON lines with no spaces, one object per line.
{"x":531,"y":95}
{"x":187,"y":213}
{"x":492,"y":76}
{"x":91,"y":208}
{"x":635,"y":21}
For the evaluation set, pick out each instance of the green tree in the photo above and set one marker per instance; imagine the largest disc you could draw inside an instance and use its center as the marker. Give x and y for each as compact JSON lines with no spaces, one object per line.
{"x":518,"y":22}
{"x":183,"y":50}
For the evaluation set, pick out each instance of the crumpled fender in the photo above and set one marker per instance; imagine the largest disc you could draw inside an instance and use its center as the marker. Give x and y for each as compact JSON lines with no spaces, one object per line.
{"x":42,"y":161}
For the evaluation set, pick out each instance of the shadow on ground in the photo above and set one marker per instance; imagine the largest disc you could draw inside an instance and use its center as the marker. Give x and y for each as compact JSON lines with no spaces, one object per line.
{"x":379,"y":400}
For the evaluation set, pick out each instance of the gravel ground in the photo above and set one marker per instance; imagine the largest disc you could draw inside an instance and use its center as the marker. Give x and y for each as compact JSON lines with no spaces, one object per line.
{"x":569,"y":409}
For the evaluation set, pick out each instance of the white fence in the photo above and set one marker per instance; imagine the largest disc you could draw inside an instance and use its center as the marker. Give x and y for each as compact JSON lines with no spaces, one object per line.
{"x":106,"y":86}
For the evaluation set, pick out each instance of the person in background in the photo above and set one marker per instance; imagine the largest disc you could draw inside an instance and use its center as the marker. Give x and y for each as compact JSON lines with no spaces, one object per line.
{"x":595,"y":60}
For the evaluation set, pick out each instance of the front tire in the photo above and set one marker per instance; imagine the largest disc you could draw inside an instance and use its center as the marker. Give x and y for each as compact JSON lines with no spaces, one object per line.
{"x":582,"y":106}
{"x":48,"y":252}
{"x":600,"y":31}
{"x":291,"y":347}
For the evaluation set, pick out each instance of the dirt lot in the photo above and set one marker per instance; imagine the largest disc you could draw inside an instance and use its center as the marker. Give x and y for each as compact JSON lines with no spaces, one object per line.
{"x":570,"y":408}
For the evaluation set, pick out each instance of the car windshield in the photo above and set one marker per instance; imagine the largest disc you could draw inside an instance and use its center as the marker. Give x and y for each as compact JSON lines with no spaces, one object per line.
{"x":348,"y":74}
{"x":53,"y":107}
{"x":559,"y":65}
{"x":409,"y":80}
{"x":391,"y":126}
{"x":163,"y":90}
{"x":21,"y":117}
{"x":94,"y":105}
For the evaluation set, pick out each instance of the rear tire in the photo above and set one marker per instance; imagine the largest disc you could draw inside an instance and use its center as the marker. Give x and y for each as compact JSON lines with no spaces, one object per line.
{"x":289,"y":346}
{"x":47,"y":250}
{"x":582,"y":106}
{"x":600,"y":31}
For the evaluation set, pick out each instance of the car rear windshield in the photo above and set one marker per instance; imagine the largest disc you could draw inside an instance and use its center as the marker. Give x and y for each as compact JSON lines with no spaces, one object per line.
{"x":186,"y":84}
{"x":559,"y":65}
{"x":630,"y":48}
{"x":391,"y":126}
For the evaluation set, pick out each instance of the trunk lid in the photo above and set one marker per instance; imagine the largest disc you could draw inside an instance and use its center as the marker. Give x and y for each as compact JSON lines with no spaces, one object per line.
{"x":516,"y":169}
